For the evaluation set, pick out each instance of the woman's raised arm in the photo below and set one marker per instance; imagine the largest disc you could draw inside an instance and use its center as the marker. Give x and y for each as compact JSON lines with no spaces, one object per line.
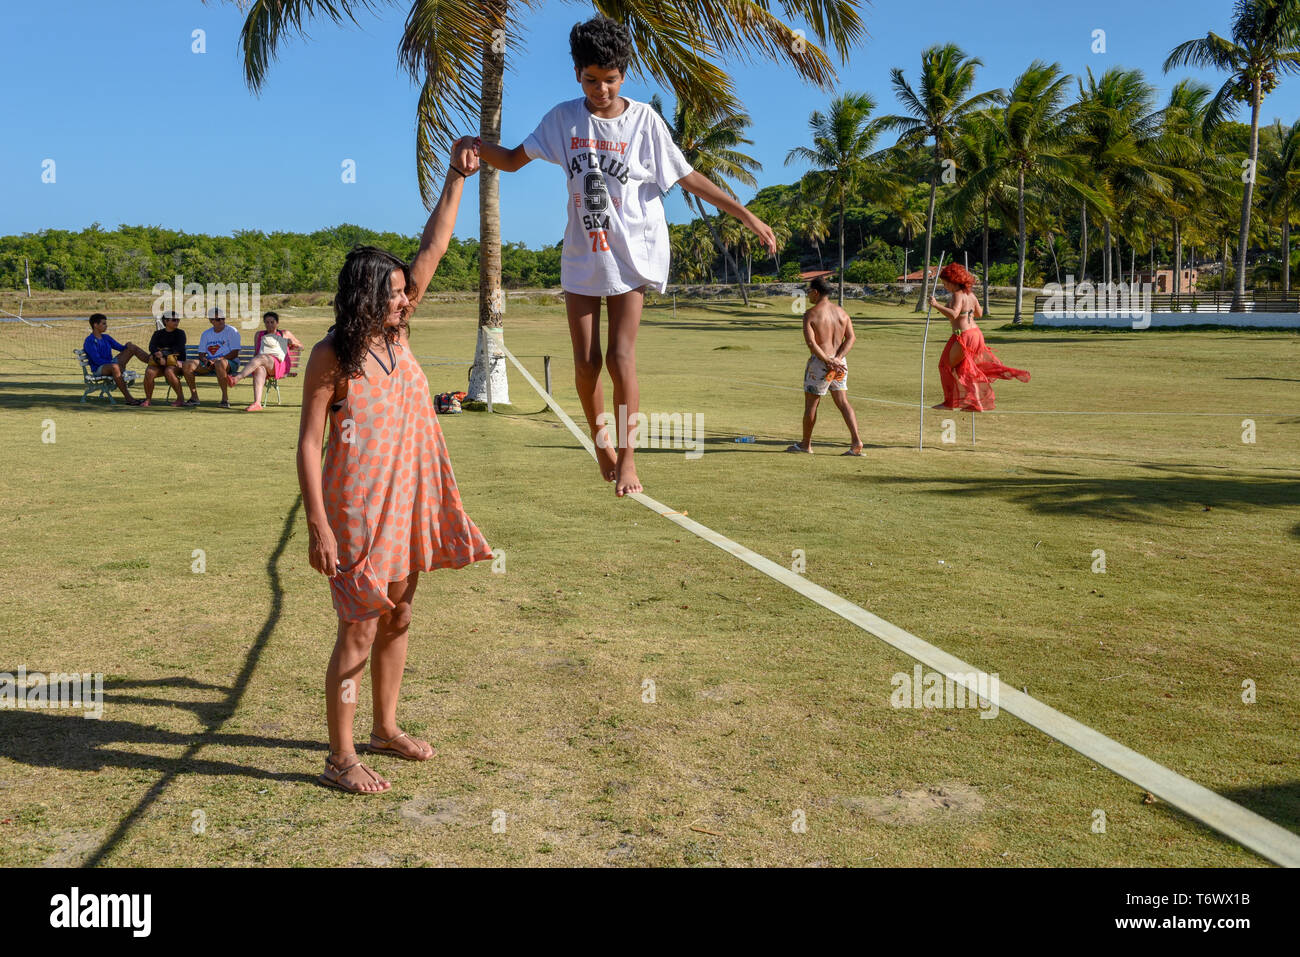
{"x":441,"y":222}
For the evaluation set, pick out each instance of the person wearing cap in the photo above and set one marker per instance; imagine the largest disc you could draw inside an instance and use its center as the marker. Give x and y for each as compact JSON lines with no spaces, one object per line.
{"x":218,"y":353}
{"x":99,"y":347}
{"x":166,"y":356}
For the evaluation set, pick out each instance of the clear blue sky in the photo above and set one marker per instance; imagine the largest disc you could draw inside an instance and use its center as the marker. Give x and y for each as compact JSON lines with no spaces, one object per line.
{"x":143,"y":131}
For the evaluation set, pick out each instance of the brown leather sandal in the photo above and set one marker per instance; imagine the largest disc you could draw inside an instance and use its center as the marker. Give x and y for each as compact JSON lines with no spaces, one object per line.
{"x":333,"y":776}
{"x":385,"y":747}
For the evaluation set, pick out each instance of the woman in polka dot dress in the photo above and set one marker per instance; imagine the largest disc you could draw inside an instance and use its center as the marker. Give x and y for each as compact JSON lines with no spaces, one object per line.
{"x":384,"y":507}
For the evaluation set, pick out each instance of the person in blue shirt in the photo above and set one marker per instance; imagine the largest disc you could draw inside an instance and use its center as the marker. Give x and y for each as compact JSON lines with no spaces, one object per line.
{"x":99,"y":348}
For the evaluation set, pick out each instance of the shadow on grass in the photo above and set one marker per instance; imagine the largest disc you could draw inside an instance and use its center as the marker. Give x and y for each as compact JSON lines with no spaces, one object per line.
{"x":66,"y":740}
{"x":213,"y":720}
{"x":731,"y":325}
{"x":1280,"y":803}
{"x":993,"y":339}
{"x":727,"y":443}
{"x":1124,"y":498}
{"x":38,"y":393}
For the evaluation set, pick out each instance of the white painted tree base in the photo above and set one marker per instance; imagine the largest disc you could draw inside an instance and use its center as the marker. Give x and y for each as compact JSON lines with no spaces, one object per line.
{"x":491,"y":342}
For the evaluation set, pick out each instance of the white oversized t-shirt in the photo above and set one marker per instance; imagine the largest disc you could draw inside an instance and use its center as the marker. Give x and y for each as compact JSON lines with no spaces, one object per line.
{"x":617,"y":172}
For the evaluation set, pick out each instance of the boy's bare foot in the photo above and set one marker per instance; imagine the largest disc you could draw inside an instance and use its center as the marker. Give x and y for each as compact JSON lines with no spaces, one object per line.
{"x":608,"y":463}
{"x":626,"y":480}
{"x":854,"y":449}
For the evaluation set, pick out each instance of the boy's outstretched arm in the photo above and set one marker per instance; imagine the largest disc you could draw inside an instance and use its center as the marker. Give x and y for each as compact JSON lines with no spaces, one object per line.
{"x":508,"y":161}
{"x":441,"y":222}
{"x":703,"y":187}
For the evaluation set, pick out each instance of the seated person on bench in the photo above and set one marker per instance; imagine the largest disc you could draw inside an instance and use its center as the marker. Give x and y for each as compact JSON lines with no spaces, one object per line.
{"x":218,"y":352}
{"x":271,"y":346}
{"x":166,"y":356}
{"x":99,"y":348}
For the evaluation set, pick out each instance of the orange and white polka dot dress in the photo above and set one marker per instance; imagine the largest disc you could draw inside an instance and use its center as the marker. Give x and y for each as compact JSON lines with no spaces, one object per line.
{"x":389,"y":492}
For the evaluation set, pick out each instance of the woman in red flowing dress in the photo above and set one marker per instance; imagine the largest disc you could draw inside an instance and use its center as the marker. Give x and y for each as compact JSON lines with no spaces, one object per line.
{"x":967,"y":366}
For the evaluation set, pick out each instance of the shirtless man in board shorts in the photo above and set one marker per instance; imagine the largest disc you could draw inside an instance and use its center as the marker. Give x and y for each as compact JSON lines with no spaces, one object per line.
{"x":828,"y":330}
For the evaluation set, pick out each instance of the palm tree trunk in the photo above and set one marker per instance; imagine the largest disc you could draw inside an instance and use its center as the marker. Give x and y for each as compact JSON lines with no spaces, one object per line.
{"x":929,"y":235}
{"x":1083,"y":242}
{"x":1178,"y":258}
{"x":491,"y":299}
{"x":1020,"y":263}
{"x":986,"y":255}
{"x":717,"y":241}
{"x":1239,"y":292}
{"x":1286,"y":251}
{"x":1105,"y":270}
{"x":842,"y":245}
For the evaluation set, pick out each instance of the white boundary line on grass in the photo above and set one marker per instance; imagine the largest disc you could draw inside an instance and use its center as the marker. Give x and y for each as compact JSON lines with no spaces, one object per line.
{"x":1246,"y":827}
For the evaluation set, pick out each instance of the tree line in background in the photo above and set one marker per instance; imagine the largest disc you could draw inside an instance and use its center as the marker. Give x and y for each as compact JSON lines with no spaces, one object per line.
{"x":136,"y":257}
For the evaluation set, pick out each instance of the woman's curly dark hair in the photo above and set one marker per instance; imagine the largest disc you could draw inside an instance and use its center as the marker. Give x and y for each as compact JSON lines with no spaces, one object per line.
{"x":601,"y":42}
{"x":361,"y":305}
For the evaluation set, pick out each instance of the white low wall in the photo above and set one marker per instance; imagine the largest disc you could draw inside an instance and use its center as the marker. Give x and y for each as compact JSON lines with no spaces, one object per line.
{"x":1202,"y":317}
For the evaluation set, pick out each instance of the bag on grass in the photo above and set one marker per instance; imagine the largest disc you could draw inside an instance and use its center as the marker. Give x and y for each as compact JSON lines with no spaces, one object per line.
{"x":448,"y":403}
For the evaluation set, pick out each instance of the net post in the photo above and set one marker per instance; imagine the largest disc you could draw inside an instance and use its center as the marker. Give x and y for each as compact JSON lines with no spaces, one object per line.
{"x":546,"y":363}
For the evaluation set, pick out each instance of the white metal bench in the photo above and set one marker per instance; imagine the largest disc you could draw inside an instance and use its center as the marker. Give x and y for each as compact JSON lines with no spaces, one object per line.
{"x":246,"y":355}
{"x":105,"y":384}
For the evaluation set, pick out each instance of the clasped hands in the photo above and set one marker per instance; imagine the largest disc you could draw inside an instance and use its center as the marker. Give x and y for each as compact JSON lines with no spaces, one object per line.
{"x":464,"y":156}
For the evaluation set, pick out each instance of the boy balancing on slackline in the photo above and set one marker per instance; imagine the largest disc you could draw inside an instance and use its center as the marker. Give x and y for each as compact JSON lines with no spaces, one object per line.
{"x":620,"y":159}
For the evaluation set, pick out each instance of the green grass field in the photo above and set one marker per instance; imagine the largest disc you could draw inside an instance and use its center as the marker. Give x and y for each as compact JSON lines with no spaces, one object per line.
{"x":529,"y":682}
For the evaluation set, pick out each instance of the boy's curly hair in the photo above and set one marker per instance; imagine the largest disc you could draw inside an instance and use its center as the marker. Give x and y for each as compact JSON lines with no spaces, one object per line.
{"x":601,"y":42}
